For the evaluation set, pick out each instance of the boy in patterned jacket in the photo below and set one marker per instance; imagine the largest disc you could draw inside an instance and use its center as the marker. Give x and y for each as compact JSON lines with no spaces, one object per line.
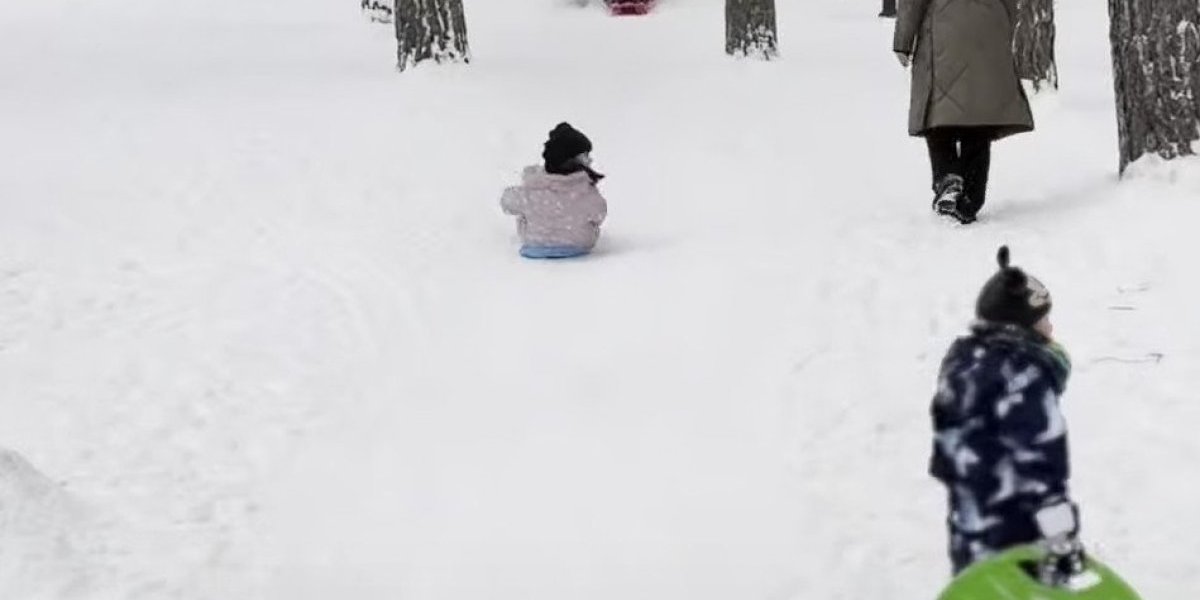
{"x":1000,"y":440}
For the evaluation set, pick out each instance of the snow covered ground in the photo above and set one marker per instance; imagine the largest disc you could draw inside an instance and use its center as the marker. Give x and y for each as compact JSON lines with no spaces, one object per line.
{"x":264,"y":333}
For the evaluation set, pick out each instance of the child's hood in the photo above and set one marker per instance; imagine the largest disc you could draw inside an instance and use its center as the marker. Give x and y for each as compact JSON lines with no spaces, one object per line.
{"x":1026,"y":344}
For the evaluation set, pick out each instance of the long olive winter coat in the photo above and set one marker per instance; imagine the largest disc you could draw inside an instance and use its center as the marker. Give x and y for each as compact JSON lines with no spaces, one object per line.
{"x":963,"y":72}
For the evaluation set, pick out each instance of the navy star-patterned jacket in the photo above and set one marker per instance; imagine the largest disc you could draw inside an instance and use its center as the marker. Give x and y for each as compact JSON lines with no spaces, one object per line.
{"x":1000,"y":440}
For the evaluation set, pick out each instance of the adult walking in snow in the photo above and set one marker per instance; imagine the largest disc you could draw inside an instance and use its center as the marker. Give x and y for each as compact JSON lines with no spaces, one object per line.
{"x":558,"y":208}
{"x":1000,"y":439}
{"x":965,"y":92}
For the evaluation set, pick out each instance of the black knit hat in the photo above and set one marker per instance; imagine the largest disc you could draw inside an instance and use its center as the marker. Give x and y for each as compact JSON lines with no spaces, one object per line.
{"x":1011,"y":296}
{"x":565,"y":143}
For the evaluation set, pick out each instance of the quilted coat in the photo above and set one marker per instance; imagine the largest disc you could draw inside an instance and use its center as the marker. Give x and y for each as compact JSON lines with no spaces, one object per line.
{"x":561,"y":211}
{"x":963,"y":71}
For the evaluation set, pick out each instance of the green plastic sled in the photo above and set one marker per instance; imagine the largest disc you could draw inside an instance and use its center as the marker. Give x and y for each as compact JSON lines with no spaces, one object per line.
{"x":1012,"y":576}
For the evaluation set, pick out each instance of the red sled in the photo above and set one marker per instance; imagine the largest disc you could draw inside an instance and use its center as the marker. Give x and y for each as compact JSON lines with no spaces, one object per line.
{"x":629,"y":7}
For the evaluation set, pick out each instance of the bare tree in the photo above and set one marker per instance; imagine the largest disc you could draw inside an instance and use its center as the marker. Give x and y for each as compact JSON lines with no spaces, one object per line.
{"x":430,"y":30}
{"x":750,"y":28}
{"x":1033,"y":44}
{"x":1156,"y":70}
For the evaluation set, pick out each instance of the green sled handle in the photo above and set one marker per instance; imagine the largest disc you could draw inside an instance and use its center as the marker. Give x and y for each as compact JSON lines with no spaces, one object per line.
{"x":1012,"y":575}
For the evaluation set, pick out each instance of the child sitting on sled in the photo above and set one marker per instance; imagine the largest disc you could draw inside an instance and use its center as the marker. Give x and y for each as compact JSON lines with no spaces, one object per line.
{"x":1000,"y":440}
{"x":558,"y":208}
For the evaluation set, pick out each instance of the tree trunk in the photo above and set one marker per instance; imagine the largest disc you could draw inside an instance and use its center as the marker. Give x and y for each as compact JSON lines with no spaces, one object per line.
{"x":1156,"y":70}
{"x":430,"y":30}
{"x":750,"y":28}
{"x":378,"y":11}
{"x":1033,"y":44}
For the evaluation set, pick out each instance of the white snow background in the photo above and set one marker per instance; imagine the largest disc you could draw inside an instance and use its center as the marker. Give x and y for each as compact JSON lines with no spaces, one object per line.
{"x":264,"y":332}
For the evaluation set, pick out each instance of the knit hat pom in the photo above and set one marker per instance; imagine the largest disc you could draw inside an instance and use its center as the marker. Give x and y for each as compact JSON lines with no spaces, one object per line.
{"x":1014,"y":279}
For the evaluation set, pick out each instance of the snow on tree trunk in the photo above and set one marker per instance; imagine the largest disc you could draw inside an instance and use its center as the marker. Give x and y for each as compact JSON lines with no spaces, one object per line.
{"x":1033,"y":44}
{"x":378,"y":11}
{"x":430,"y":30}
{"x":1156,"y":70}
{"x":750,"y":28}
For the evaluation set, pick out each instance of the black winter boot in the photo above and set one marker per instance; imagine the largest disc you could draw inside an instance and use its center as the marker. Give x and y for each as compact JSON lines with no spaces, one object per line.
{"x":952,"y":201}
{"x":965,"y":210}
{"x":947,"y":194}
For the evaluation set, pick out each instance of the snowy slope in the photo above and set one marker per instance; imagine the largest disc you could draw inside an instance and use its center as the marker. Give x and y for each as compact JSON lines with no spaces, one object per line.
{"x":263,"y":325}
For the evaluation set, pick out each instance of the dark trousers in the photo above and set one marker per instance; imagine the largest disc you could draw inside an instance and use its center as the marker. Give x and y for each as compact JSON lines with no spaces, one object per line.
{"x":889,"y":8}
{"x":1005,"y":529}
{"x":966,"y":152}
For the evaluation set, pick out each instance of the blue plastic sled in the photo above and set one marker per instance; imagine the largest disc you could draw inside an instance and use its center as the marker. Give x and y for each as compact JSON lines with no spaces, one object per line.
{"x":552,"y":252}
